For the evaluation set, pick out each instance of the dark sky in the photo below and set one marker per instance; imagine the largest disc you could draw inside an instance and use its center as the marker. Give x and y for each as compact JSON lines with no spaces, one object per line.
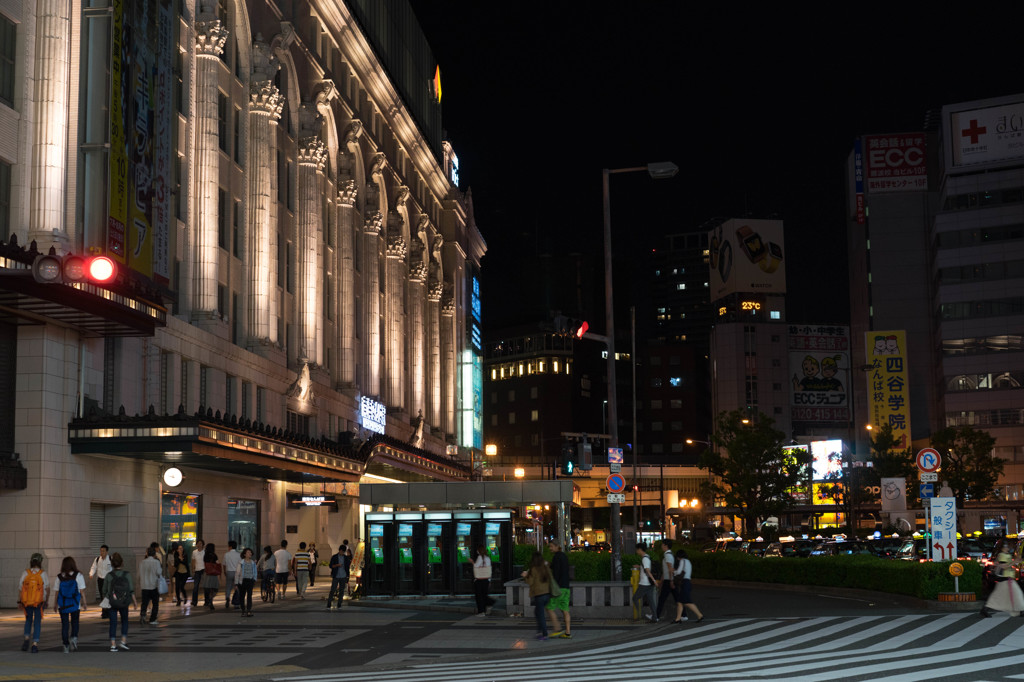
{"x":758,"y":109}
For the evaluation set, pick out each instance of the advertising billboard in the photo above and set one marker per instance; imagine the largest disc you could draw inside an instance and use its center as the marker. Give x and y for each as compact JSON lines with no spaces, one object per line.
{"x":746,"y":255}
{"x":819,"y":366}
{"x":800,"y":492}
{"x":895,"y":163}
{"x":888,"y":391}
{"x":979,"y":136}
{"x":828,"y":460}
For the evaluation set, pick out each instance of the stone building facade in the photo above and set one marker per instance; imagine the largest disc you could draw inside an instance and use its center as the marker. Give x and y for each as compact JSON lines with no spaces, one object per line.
{"x":294,"y":251}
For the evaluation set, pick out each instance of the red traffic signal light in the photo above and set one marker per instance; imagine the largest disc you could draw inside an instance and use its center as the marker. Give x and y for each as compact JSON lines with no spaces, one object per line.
{"x":51,"y":269}
{"x":582,"y":329}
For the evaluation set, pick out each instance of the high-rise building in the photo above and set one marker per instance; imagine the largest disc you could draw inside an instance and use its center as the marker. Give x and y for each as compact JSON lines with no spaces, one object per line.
{"x":935,"y":224}
{"x":297,"y":304}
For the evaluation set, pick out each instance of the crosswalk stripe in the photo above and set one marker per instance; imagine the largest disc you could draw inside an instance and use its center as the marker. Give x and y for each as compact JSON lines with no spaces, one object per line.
{"x":871,"y":647}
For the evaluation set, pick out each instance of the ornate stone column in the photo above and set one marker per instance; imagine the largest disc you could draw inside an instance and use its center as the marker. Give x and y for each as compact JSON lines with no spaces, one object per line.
{"x":371,"y":302}
{"x":51,"y":74}
{"x":347,"y":243}
{"x":448,"y":360}
{"x":394,"y":315}
{"x":417,"y":298}
{"x":433,"y":378}
{"x":309,"y":236}
{"x":210,"y":38}
{"x":265,"y":104}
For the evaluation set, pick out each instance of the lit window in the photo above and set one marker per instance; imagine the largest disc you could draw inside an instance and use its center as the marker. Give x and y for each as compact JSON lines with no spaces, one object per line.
{"x":554,"y":366}
{"x":494,"y":374}
{"x":676,"y":381}
{"x":680,"y":286}
{"x":535,"y":415}
{"x":776,"y":315}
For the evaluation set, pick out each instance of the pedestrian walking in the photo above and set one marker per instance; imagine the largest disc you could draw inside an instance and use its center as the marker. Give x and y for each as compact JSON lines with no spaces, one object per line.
{"x":245,"y":580}
{"x":1006,"y":594}
{"x":231,"y":561}
{"x":482,"y":572}
{"x":645,"y":589}
{"x":181,"y":574}
{"x":339,"y":577}
{"x":282,"y":562}
{"x":560,"y":574}
{"x":668,"y":567}
{"x":348,"y":564}
{"x":149,"y":577}
{"x":211,"y":575}
{"x":300,"y":568}
{"x":120,"y":596}
{"x":197,"y":569}
{"x":266,"y":566}
{"x":683,"y":587}
{"x":33,"y":593}
{"x":314,"y":562}
{"x":69,"y":602}
{"x":538,"y":577}
{"x":99,"y":569}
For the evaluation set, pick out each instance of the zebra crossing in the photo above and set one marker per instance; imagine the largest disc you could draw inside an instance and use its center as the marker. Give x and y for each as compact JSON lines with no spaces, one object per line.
{"x":878,"y":648}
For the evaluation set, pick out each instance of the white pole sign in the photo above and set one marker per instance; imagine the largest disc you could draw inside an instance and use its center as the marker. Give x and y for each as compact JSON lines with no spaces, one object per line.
{"x":943,"y":516}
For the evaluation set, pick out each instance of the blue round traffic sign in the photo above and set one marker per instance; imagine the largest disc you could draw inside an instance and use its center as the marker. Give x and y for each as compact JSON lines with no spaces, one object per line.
{"x":616,"y":483}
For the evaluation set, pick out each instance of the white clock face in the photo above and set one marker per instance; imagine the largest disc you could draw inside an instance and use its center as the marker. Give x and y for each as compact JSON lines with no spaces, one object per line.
{"x":172,"y":477}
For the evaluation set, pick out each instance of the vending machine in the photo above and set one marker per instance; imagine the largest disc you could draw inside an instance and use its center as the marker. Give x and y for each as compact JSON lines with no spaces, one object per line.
{"x":376,"y":569}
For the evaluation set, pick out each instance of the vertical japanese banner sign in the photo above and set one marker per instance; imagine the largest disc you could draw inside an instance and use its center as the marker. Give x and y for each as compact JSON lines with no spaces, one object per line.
{"x":143,"y":46}
{"x":943,"y":542}
{"x":858,"y":179}
{"x":118,"y":209}
{"x":161,"y":210}
{"x":888,"y":392}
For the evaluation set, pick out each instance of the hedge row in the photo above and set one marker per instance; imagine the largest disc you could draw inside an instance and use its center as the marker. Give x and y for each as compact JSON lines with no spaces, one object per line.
{"x":911,"y":578}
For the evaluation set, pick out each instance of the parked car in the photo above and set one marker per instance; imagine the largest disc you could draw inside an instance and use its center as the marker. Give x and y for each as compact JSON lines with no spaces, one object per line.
{"x":913,"y":549}
{"x":789,"y":548}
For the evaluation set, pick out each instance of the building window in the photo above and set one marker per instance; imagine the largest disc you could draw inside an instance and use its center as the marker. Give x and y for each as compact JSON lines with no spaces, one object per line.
{"x":657,"y":426}
{"x":260,"y":391}
{"x":656,"y":404}
{"x":511,"y":396}
{"x":222,"y":299}
{"x":236,"y":229}
{"x":298,"y":423}
{"x":290,"y":267}
{"x":238,"y":135}
{"x":8,"y":40}
{"x":535,"y":415}
{"x":511,"y":417}
{"x":656,"y":382}
{"x":229,"y":407}
{"x":5,"y":200}
{"x":534,"y":393}
{"x":494,"y":420}
{"x":203,"y":385}
{"x":222,"y":121}
{"x":494,"y":397}
{"x":222,"y":219}
{"x":246,"y":390}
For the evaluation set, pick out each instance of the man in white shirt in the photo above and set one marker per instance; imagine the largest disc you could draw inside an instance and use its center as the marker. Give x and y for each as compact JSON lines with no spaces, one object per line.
{"x":231,"y":560}
{"x":645,"y":590}
{"x":198,"y":568}
{"x":149,"y":575}
{"x":668,"y":569}
{"x":283,"y":561}
{"x":100,"y":568}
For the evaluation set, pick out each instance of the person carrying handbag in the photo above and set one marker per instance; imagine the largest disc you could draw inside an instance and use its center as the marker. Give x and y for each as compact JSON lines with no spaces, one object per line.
{"x":538,"y":577}
{"x":482,"y":582}
{"x":211,"y":576}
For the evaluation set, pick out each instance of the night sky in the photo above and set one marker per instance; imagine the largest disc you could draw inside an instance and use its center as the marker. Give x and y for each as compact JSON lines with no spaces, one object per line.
{"x":758,"y":109}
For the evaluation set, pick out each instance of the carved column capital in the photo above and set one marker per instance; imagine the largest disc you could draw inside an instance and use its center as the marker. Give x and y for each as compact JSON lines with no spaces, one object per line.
{"x":312,"y":152}
{"x":211,"y":34}
{"x":373,"y":223}
{"x":347,"y":193}
{"x":264,"y":97}
{"x":396,"y":247}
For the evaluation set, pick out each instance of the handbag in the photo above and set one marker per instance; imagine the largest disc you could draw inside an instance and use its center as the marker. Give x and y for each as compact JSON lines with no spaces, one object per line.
{"x":556,"y":589}
{"x":105,"y":604}
{"x":161,"y":585}
{"x":212,"y":568}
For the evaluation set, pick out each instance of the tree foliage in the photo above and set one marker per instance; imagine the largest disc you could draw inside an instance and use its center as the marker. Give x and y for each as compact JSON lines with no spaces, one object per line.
{"x":968,"y":464}
{"x":890,"y":462}
{"x":752,"y":472}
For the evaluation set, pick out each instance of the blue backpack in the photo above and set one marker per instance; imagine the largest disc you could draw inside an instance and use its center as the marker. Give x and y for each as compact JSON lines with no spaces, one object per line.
{"x":68,"y":596}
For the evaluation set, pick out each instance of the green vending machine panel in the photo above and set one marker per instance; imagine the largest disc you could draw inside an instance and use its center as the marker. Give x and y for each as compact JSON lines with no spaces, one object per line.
{"x":377,"y":542}
{"x":434,"y":543}
{"x":405,"y":543}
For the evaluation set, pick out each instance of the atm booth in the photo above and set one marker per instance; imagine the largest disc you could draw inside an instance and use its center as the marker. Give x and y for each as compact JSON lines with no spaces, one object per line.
{"x":429,"y":552}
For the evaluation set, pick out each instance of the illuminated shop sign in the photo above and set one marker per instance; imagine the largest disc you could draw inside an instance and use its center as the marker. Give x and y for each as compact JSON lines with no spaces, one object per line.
{"x":303,"y":500}
{"x":374,"y":415}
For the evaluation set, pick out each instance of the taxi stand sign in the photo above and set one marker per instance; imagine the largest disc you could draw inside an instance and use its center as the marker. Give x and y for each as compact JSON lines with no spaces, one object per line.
{"x":942,"y":514}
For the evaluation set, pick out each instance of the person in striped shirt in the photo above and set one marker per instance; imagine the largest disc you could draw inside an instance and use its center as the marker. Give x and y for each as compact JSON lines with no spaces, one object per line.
{"x":300,"y":565}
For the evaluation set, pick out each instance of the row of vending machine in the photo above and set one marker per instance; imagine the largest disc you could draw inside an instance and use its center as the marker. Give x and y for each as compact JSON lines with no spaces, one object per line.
{"x":432,"y":552}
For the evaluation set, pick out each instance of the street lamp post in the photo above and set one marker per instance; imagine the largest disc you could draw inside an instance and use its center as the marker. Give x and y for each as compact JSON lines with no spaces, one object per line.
{"x":658,"y":171}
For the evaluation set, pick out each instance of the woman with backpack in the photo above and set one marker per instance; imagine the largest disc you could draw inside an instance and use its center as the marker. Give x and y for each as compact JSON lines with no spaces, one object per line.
{"x":538,"y":577}
{"x":683,"y":587}
{"x":119,"y":591}
{"x":32,"y":596}
{"x":211,"y":576}
{"x":70,"y":590}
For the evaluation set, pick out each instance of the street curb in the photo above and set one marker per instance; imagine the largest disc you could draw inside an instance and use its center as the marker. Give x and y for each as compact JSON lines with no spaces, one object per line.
{"x":849,"y":592}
